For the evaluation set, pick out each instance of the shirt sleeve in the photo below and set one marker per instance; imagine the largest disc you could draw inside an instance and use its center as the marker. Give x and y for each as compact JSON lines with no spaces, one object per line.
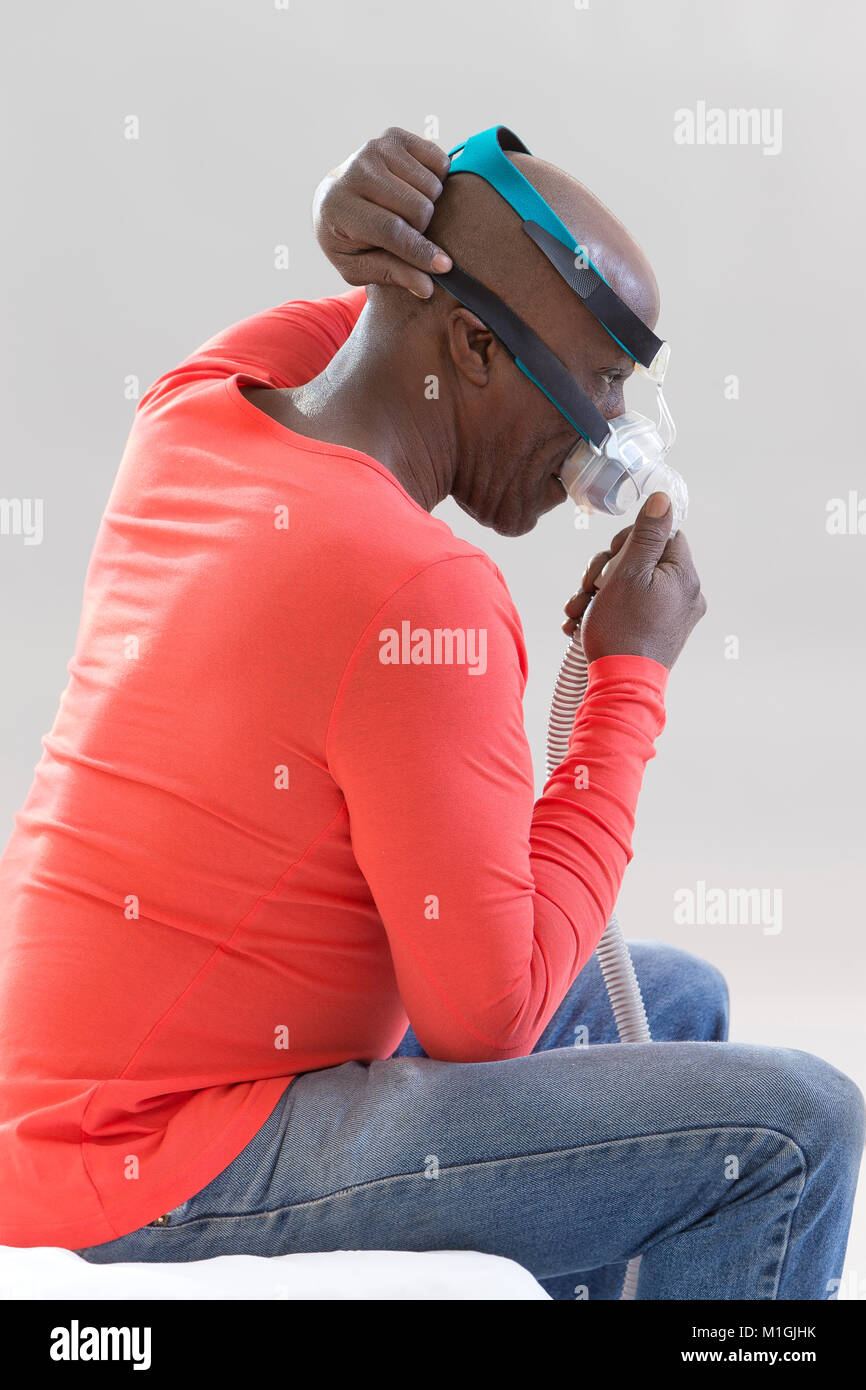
{"x":492,"y":902}
{"x":282,"y":347}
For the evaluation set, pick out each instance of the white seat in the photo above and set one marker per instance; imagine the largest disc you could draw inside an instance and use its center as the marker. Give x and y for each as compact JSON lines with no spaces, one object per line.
{"x":48,"y":1272}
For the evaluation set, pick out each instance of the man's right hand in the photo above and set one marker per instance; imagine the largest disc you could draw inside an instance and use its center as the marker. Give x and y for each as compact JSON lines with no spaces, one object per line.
{"x":370,"y":212}
{"x":647,"y":593}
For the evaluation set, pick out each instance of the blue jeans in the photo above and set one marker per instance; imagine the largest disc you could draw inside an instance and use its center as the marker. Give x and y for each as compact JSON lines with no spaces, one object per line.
{"x":729,"y":1167}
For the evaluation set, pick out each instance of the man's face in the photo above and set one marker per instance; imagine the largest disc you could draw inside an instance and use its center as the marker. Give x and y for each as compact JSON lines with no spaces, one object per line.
{"x":514,"y":478}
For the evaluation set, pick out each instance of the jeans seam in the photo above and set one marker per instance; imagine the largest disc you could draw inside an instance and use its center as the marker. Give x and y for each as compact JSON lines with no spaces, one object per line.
{"x":508,"y":1158}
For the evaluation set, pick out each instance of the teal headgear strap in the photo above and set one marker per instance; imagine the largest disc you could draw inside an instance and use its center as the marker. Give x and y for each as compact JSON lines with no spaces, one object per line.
{"x":484,"y":154}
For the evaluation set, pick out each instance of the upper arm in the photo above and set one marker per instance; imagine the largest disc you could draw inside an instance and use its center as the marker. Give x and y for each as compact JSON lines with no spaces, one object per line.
{"x":433,"y":761}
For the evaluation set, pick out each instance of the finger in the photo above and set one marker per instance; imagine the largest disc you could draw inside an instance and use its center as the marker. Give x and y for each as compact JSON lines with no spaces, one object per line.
{"x":427,"y":152}
{"x":572,"y":608}
{"x":577,"y":604}
{"x":572,"y":623}
{"x":619,"y":540}
{"x":375,"y":181}
{"x":596,"y":565}
{"x":381,"y":268}
{"x":643,"y":548}
{"x":590,"y":574}
{"x":593,"y":570}
{"x":389,"y":231}
{"x":413,"y":173}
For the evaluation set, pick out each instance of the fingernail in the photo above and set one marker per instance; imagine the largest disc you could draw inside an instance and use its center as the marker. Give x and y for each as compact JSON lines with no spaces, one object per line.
{"x":441,"y":261}
{"x":658,"y":504}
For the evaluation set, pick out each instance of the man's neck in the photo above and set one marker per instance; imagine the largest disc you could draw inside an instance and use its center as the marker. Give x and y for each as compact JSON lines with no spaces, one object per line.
{"x":368,"y":400}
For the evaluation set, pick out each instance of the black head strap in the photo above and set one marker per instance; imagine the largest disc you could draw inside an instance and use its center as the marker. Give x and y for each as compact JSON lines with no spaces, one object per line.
{"x":534,"y":357}
{"x":612,"y":313}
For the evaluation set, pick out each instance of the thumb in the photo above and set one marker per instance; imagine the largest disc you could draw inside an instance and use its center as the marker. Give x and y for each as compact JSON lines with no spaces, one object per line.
{"x":649,"y":535}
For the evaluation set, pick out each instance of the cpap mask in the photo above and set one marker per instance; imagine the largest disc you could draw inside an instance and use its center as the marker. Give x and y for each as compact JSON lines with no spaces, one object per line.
{"x":628,"y":467}
{"x":616,"y":463}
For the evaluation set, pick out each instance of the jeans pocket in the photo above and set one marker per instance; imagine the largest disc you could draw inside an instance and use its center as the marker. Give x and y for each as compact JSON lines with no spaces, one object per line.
{"x":173,"y":1217}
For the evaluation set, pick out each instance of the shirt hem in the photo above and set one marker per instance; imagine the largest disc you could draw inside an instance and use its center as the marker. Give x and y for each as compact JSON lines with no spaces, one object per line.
{"x":122,"y":1220}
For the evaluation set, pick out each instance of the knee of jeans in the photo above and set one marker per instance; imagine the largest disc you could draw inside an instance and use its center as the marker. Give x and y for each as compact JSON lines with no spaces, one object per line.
{"x":822,"y":1103}
{"x":700,"y":984}
{"x":838,"y":1097}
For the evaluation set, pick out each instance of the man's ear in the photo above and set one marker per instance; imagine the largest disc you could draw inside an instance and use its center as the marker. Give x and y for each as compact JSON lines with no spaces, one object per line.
{"x":471,"y":344}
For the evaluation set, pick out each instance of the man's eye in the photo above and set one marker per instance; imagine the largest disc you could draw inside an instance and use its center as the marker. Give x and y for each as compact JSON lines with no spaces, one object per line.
{"x":611,"y":377}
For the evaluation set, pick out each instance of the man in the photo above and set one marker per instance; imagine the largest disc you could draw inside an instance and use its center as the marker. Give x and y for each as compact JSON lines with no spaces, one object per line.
{"x":286,"y":808}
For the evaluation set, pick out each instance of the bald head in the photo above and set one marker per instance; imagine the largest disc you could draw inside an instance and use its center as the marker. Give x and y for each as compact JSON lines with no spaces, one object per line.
{"x":604,"y":238}
{"x":484,"y":237}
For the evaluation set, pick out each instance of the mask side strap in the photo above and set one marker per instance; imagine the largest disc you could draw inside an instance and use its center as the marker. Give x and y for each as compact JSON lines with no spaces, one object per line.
{"x":667,"y":428}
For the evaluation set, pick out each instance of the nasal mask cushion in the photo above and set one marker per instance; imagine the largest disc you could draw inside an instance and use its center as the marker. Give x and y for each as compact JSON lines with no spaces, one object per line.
{"x":616,"y":462}
{"x":628,"y":467}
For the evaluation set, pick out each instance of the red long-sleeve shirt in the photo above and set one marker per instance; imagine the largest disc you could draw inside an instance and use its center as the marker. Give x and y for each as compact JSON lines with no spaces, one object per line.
{"x":262,"y":833}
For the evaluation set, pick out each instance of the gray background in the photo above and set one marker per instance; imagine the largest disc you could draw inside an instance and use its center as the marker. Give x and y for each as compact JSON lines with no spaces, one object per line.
{"x":121,"y":256}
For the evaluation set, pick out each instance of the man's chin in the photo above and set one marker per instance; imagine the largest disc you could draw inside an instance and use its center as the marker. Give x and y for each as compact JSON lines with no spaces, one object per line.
{"x":505,"y":525}
{"x":519,"y":526}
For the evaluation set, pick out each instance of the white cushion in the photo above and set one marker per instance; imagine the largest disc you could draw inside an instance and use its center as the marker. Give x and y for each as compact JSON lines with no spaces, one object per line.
{"x":45,"y":1272}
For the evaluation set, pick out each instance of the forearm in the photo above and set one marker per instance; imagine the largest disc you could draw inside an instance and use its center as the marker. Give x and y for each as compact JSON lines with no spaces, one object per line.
{"x":583,"y":823}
